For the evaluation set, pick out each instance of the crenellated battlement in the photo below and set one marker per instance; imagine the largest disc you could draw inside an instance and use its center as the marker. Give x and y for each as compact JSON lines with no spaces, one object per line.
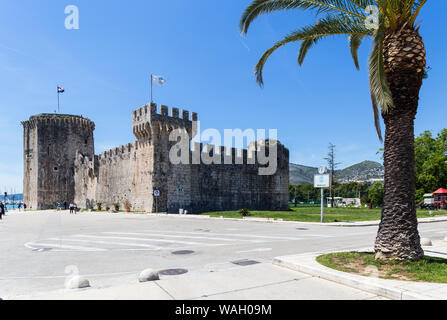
{"x":123,"y":150}
{"x":222,"y":154}
{"x":50,"y":119}
{"x":149,"y":118}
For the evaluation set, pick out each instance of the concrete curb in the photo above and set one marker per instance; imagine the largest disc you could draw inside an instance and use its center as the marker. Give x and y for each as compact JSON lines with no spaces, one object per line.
{"x":254,"y":219}
{"x":271,"y":220}
{"x":306,"y":263}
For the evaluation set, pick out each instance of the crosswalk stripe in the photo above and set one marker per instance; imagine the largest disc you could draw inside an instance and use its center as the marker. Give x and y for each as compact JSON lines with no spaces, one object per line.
{"x":33,"y":245}
{"x":148,"y":239}
{"x":252,"y":236}
{"x":181,"y":236}
{"x":108,"y":242}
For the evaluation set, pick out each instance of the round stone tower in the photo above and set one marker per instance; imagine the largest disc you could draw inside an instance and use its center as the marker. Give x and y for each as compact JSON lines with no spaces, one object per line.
{"x":50,"y":143}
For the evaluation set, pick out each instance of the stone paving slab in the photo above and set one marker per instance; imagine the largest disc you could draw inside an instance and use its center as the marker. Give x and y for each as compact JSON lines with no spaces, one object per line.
{"x":392,"y":289}
{"x":258,"y":282}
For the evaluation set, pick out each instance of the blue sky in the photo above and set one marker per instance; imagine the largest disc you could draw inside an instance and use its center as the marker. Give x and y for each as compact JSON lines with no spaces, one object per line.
{"x":105,"y":65}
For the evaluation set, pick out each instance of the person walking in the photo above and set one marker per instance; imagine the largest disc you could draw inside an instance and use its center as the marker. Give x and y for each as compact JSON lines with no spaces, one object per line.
{"x":71,"y":207}
{"x":2,"y":210}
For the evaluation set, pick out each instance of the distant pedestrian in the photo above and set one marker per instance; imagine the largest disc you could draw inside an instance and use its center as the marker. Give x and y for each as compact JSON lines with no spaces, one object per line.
{"x":71,"y":207}
{"x":2,"y":210}
{"x":24,"y":207}
{"x":65,"y":205}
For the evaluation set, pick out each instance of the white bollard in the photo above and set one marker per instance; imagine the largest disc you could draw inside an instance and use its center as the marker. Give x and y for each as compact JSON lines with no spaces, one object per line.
{"x":77,"y":282}
{"x":148,"y":275}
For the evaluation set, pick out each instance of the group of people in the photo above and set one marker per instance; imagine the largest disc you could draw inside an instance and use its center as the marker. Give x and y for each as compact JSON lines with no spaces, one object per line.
{"x":73,"y":208}
{"x":65,"y":206}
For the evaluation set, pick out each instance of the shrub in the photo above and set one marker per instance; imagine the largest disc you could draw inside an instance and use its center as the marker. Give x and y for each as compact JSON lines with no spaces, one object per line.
{"x":244,"y":212}
{"x":116,"y":205}
{"x":127,"y":205}
{"x":99,"y":205}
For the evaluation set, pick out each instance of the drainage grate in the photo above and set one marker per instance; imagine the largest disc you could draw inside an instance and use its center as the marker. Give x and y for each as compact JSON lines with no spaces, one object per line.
{"x":172,"y":272}
{"x":245,"y":262}
{"x":181,"y":252}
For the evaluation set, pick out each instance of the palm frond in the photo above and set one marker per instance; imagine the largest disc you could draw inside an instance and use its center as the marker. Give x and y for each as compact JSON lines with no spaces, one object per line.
{"x":380,"y":92}
{"x":355,"y":40}
{"x":341,"y":7}
{"x":330,"y":26}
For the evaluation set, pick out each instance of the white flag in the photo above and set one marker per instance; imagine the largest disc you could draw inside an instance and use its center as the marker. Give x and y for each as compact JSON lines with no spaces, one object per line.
{"x":158,"y":80}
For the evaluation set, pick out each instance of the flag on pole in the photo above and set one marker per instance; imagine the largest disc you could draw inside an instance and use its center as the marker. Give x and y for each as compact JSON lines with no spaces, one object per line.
{"x":60,"y":90}
{"x":158,"y":80}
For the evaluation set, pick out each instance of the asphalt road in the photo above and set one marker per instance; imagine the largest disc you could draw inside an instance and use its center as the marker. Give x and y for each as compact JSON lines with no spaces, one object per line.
{"x":38,"y":251}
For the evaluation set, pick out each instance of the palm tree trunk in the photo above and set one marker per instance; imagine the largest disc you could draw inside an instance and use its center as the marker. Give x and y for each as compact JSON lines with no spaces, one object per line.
{"x":398,"y":236}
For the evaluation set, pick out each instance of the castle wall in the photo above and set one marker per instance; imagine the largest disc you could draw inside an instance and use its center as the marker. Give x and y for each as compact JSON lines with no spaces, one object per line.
{"x":60,"y":165}
{"x":223,"y":187}
{"x":123,"y":173}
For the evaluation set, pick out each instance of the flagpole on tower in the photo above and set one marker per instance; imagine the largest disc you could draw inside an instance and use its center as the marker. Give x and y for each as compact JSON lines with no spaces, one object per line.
{"x":58,"y":104}
{"x":151,"y":88}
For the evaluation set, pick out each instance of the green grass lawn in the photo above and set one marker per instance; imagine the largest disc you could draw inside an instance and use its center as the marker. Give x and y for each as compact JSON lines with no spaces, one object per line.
{"x":313,"y":214}
{"x":429,"y":269}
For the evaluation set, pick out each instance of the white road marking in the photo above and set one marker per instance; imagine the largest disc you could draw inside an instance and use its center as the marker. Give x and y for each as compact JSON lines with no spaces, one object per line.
{"x":34,"y":246}
{"x":183,"y":236}
{"x":247,"y":236}
{"x":256,"y":250}
{"x":149,"y":239}
{"x":108,"y":242}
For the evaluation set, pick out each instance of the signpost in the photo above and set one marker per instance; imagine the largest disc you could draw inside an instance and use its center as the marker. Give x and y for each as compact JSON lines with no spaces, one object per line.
{"x":322,"y":180}
{"x":156,"y":195}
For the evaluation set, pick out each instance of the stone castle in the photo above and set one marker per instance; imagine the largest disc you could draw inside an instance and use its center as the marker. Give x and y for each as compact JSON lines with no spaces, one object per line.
{"x":60,"y":166}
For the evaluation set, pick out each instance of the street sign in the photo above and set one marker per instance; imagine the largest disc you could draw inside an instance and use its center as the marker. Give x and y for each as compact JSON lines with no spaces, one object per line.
{"x":156,"y":193}
{"x":322,"y":170}
{"x":322,"y":181}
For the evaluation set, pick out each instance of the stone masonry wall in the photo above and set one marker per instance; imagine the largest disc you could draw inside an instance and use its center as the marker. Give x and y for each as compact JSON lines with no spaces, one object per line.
{"x":56,"y":140}
{"x":60,"y":165}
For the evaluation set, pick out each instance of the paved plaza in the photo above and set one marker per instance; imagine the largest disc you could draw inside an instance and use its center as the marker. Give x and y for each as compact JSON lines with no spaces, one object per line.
{"x":216,"y":258}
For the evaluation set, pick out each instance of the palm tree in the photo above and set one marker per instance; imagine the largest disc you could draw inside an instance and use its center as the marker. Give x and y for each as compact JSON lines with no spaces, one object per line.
{"x":396,"y":69}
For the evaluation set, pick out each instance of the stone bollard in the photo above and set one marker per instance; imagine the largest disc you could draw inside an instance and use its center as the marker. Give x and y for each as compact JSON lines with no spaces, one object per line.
{"x":148,"y":275}
{"x":77,"y":282}
{"x":425,"y":242}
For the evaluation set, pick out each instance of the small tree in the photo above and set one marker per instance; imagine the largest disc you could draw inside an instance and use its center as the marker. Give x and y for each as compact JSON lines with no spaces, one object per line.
{"x":99,"y":205}
{"x":127,"y":205}
{"x":116,"y":205}
{"x":376,"y":194}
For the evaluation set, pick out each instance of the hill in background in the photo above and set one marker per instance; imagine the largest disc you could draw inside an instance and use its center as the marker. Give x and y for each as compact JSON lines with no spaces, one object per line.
{"x":366,"y":171}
